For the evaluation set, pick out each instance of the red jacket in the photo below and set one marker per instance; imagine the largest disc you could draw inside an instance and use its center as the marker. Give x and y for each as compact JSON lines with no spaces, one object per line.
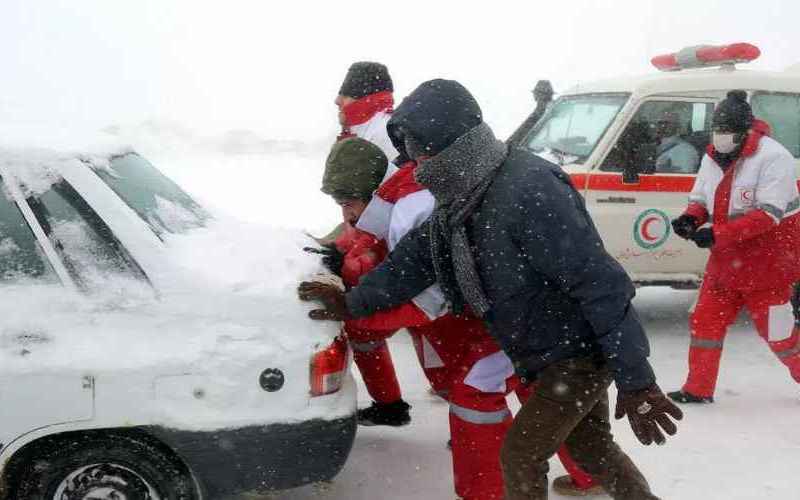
{"x":753,"y":208}
{"x":362,"y":253}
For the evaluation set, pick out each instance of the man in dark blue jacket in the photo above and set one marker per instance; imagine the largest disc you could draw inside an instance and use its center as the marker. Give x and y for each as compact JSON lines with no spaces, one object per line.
{"x":511,"y":241}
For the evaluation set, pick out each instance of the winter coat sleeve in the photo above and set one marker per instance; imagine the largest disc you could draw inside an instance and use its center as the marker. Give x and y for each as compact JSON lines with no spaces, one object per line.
{"x":406,"y":272}
{"x":407,"y":315}
{"x":698,"y":204}
{"x":775,"y":194}
{"x":557,"y":236}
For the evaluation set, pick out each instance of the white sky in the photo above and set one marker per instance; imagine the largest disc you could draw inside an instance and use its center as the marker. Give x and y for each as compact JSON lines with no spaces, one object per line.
{"x":275,"y":67}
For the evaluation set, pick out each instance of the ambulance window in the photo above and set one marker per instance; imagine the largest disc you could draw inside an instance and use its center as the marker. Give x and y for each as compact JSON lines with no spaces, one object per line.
{"x":667,"y":137}
{"x":90,"y":251}
{"x":782,"y":112}
{"x":21,"y":257}
{"x":570,"y":130}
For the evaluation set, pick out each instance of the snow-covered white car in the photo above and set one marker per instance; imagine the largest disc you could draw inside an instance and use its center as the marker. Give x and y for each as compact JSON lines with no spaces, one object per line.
{"x":150,"y":351}
{"x":603,"y":135}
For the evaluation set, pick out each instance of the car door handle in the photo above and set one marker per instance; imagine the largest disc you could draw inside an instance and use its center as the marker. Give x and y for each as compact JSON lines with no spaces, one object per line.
{"x":617,"y":199}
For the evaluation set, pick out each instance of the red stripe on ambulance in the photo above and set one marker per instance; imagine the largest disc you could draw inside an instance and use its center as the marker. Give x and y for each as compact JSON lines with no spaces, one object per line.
{"x":652,"y":183}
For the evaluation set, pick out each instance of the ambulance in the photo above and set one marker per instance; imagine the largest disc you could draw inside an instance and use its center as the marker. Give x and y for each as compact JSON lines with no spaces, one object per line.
{"x":633,"y":147}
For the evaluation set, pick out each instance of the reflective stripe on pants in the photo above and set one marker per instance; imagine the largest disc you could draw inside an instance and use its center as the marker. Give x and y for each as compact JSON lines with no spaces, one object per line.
{"x":374,"y":361}
{"x":479,"y":417}
{"x":706,"y":343}
{"x":716,"y":310}
{"x":367,"y":346}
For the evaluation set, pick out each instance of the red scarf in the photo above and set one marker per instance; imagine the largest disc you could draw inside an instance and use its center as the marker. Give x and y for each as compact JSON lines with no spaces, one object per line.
{"x":400,"y":184}
{"x":361,"y":110}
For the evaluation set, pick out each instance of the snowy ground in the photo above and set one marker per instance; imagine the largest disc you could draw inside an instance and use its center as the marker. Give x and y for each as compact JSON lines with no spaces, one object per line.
{"x":745,"y":446}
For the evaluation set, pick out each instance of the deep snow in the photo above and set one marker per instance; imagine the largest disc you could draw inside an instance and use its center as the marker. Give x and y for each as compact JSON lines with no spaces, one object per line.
{"x":745,"y":446}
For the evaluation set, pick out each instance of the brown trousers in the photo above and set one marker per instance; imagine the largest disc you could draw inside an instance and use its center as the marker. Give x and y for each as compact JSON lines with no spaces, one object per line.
{"x":569,"y":406}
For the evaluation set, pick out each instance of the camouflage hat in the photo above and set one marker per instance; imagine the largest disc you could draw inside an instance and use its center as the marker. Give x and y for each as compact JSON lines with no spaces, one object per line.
{"x":354,"y":169}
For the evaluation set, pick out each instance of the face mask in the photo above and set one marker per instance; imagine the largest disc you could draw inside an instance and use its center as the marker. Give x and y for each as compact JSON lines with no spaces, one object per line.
{"x":724,"y":143}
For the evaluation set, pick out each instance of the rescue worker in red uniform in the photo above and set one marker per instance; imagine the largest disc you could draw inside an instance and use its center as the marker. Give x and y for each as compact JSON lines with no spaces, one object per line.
{"x":461,"y":361}
{"x":365,"y":100}
{"x":744,"y":208}
{"x":354,"y":169}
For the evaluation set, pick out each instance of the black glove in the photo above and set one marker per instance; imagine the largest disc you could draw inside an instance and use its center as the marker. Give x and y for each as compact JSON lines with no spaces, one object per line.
{"x":332,"y":258}
{"x":647,"y":410}
{"x":703,"y":237}
{"x":331,"y":297}
{"x":796,"y":304}
{"x":684,"y":226}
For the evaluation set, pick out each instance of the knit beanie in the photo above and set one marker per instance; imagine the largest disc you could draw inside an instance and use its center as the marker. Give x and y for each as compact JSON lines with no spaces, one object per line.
{"x":365,"y":78}
{"x":354,"y":169}
{"x":733,"y":113}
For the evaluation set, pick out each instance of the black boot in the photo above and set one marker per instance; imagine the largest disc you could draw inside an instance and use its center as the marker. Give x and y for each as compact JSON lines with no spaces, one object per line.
{"x":686,"y":397}
{"x":391,"y":414}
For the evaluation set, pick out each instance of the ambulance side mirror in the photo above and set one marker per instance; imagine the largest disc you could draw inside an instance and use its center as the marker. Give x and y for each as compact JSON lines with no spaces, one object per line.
{"x":630,"y":175}
{"x":641,"y":160}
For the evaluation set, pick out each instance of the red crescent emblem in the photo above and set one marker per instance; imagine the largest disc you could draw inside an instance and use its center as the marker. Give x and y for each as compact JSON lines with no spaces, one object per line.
{"x":747,"y":195}
{"x":646,"y":228}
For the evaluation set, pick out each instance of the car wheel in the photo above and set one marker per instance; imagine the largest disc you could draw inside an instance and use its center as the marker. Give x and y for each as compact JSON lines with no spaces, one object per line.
{"x":103,"y":467}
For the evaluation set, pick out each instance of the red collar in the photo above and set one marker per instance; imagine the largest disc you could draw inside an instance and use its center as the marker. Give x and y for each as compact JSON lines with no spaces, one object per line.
{"x":400,"y":184}
{"x":361,"y":110}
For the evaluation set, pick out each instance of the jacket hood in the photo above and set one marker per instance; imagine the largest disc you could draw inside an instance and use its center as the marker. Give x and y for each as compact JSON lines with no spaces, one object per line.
{"x":435,"y":114}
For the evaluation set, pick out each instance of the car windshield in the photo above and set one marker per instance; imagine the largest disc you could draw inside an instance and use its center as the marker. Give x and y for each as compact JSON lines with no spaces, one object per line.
{"x":570,"y":130}
{"x":21,"y":257}
{"x":164,"y":206}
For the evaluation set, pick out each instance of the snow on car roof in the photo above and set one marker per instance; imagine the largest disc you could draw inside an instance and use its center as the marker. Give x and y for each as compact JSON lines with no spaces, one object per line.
{"x":35,"y":153}
{"x":695,"y":80}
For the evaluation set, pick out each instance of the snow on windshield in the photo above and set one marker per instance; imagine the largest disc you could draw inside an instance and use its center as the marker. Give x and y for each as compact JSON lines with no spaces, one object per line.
{"x":34,"y":155}
{"x":172,"y":215}
{"x":154,"y":197}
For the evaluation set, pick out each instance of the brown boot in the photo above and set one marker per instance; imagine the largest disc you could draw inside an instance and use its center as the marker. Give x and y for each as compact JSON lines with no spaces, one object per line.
{"x":563,"y":485}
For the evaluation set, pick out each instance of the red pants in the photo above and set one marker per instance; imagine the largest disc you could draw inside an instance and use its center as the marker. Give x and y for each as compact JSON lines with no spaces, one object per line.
{"x":374,"y":361}
{"x":716,"y":310}
{"x":465,"y":366}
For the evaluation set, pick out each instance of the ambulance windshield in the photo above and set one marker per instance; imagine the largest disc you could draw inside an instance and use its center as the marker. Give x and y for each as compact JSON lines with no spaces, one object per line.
{"x":571,"y":128}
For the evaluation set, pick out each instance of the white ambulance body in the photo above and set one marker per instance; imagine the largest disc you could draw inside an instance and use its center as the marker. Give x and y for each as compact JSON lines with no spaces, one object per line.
{"x":603,"y":135}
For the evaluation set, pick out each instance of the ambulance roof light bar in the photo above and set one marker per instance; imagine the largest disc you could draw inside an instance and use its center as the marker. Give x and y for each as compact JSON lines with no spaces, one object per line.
{"x":703,"y":56}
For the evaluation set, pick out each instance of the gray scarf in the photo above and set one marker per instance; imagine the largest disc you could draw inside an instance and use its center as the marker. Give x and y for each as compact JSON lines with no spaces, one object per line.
{"x":458,"y":178}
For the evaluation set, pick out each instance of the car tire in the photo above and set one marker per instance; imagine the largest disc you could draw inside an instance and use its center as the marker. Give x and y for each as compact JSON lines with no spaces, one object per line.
{"x":103,"y":466}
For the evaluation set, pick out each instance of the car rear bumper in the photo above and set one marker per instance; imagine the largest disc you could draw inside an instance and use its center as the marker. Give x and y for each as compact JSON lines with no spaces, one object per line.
{"x":269,"y":457}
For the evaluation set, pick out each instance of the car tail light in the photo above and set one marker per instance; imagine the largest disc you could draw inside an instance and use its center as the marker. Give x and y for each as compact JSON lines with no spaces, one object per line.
{"x":328,"y":368}
{"x":707,"y":55}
